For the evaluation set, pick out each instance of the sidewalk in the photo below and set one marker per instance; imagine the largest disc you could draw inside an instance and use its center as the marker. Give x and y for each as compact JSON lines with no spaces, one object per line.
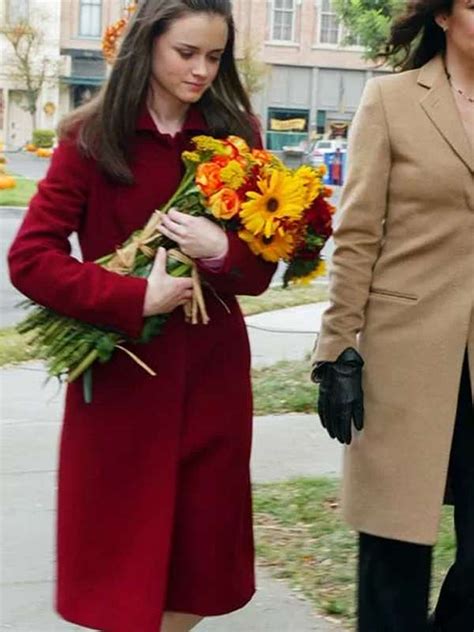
{"x":31,"y":415}
{"x":284,"y":334}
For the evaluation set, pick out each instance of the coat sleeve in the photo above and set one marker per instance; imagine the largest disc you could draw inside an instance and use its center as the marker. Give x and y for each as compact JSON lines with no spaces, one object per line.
{"x":359,"y":236}
{"x":241,"y":272}
{"x":42,"y":268}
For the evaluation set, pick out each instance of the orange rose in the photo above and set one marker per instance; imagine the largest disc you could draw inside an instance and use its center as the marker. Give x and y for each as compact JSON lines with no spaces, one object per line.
{"x":208,"y":178}
{"x":225,"y":204}
{"x":238,"y":145}
{"x":261,"y":156}
{"x":222,"y":161}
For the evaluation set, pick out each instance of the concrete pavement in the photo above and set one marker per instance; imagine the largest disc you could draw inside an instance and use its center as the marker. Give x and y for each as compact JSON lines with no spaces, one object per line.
{"x":284,"y":334}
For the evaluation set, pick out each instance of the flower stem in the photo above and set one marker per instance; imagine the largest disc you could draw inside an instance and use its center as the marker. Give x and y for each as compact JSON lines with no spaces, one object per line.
{"x":85,"y":364}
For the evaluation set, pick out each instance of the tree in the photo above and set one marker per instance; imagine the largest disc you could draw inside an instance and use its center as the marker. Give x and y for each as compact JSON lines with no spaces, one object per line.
{"x":369,"y":21}
{"x":252,"y":71}
{"x":27,"y":66}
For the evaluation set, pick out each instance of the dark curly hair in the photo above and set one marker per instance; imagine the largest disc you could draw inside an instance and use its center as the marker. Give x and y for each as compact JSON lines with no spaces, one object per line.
{"x":415,"y":36}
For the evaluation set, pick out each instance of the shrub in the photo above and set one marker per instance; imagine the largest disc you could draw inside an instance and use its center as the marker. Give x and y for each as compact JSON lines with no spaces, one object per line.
{"x":43,"y":138}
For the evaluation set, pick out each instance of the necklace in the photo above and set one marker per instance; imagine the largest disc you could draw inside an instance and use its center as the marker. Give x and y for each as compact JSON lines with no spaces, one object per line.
{"x":458,"y":90}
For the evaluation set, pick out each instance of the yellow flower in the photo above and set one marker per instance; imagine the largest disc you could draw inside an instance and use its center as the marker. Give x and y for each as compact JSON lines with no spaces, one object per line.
{"x":264,"y":158}
{"x":191,"y":156}
{"x":277,"y":246}
{"x":233,"y":175}
{"x":311,"y":181}
{"x":305,"y":280}
{"x":207,"y":143}
{"x":281,"y":197}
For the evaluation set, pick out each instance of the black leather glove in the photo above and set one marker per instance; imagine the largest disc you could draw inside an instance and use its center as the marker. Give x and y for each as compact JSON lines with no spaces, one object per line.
{"x":341,"y":400}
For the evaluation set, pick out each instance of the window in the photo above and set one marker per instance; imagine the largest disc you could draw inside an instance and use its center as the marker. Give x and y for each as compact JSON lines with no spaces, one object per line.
{"x":331,"y":29}
{"x":286,"y":127}
{"x":329,"y":25}
{"x":17,"y":11}
{"x":283,"y":20}
{"x":90,"y":19}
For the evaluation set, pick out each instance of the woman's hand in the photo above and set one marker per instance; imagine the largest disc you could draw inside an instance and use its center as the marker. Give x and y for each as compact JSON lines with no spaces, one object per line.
{"x":164,"y":292}
{"x":197,"y":237}
{"x":341,"y":398}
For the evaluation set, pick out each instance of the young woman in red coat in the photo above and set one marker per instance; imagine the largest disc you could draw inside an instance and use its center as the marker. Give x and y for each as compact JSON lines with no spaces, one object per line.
{"x":154,"y":511}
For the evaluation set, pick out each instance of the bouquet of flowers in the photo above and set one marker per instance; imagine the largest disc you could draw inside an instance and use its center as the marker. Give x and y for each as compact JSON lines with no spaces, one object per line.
{"x":282,"y":214}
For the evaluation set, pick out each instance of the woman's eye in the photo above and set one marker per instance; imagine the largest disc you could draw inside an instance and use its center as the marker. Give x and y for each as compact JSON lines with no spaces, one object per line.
{"x":215,"y":60}
{"x":185,"y":54}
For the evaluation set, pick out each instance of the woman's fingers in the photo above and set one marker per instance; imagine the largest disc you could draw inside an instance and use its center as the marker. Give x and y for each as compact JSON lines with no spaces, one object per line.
{"x":177,"y":216}
{"x":172,"y":229}
{"x":159,"y":264}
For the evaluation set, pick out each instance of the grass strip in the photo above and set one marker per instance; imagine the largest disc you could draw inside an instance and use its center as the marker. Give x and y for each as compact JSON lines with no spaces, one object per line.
{"x":14,"y":348}
{"x":284,"y":387}
{"x":301,"y":537}
{"x":280,"y":298}
{"x":20,"y":195}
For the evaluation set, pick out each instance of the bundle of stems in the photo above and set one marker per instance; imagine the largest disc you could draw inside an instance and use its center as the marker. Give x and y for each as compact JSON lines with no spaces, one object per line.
{"x":70,"y":347}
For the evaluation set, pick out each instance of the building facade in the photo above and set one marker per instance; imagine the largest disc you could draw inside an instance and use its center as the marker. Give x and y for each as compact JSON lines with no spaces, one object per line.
{"x":16,"y":123}
{"x":312,"y":84}
{"x":82,"y":25}
{"x":72,"y":34}
{"x":315,"y":77}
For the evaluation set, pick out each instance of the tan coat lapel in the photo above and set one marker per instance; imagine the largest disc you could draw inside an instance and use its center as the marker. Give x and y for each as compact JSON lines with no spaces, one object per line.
{"x":439,"y":105}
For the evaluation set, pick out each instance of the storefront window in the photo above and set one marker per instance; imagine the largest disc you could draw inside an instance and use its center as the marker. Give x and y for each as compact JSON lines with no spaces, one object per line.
{"x":321,"y":122}
{"x":287,"y":128}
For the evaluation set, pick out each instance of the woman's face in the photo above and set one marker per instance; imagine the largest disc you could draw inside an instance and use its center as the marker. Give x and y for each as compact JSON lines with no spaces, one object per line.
{"x":186,"y":57}
{"x":460,"y":28}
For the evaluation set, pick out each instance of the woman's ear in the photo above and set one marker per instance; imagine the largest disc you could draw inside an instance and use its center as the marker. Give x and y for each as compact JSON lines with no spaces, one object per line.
{"x":442,"y":21}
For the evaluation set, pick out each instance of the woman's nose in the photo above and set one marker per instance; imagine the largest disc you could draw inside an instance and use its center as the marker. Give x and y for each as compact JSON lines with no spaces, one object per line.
{"x":200,"y":68}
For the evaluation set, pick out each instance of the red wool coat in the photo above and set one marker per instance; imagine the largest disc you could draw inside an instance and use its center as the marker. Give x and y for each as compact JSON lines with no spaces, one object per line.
{"x":154,"y":506}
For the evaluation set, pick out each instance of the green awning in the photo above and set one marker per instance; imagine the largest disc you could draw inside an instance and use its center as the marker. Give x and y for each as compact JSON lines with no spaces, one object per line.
{"x":76,"y":80}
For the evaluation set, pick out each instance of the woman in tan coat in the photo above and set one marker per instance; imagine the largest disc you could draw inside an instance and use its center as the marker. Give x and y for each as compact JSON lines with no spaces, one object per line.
{"x":402,"y":306}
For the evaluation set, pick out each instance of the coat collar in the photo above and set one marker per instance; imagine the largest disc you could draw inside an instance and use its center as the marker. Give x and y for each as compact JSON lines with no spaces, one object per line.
{"x":194,"y":122}
{"x":439,"y":105}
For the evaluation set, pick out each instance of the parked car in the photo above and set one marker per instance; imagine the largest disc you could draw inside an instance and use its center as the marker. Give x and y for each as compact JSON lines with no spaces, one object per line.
{"x":315,"y":155}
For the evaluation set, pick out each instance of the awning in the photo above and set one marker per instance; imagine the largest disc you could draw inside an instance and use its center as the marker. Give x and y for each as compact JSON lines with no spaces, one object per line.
{"x":76,"y":80}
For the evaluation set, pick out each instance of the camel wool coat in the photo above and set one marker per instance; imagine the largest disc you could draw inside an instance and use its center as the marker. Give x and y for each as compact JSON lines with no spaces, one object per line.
{"x":402,"y":292}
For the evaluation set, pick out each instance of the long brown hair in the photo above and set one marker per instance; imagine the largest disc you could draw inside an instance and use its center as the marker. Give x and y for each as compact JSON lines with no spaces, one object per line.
{"x":415,"y":36}
{"x":105,"y":126}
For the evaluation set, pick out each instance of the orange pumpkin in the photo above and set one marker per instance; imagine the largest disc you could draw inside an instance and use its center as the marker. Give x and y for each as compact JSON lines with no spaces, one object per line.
{"x":44,"y":152}
{"x":7,"y":182}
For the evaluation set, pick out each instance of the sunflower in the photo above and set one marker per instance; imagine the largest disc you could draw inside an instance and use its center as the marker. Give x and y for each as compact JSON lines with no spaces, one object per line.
{"x":303,"y":271}
{"x":277,"y":246}
{"x":311,"y":181}
{"x":320,"y":270}
{"x":281,"y":197}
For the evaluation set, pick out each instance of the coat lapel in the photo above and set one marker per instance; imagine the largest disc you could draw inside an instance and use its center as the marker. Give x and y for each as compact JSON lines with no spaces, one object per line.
{"x":439,"y":105}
